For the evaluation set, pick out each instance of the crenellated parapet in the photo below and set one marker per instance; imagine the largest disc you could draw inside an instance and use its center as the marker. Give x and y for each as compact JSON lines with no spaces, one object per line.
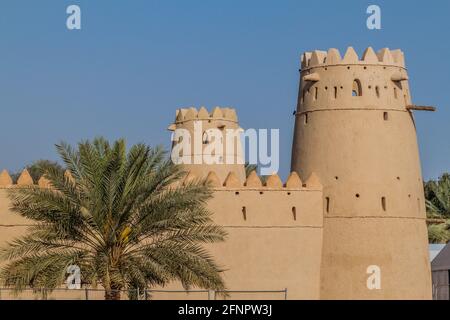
{"x":253,"y":181}
{"x":25,"y":180}
{"x":217,"y":114}
{"x":376,"y":81}
{"x":332,"y":57}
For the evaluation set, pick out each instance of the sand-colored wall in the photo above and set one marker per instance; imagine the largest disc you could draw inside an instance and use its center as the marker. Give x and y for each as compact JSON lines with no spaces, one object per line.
{"x":364,"y":150}
{"x":11,"y":224}
{"x":276,"y":246}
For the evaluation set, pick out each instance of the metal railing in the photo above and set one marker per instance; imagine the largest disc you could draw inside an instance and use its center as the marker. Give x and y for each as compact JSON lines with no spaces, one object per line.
{"x":136,"y":294}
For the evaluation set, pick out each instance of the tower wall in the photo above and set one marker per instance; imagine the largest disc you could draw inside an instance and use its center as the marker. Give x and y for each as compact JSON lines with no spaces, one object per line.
{"x":222,"y":119}
{"x":353,"y":129}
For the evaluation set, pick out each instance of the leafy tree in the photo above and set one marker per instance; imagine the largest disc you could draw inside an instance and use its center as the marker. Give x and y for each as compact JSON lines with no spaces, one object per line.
{"x":437,"y":194}
{"x":121,"y":217}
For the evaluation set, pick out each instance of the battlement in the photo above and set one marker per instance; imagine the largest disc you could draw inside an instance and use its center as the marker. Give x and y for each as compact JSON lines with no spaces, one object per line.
{"x":254,"y":182}
{"x":332,"y":57}
{"x":24,"y":180}
{"x":218,"y":113}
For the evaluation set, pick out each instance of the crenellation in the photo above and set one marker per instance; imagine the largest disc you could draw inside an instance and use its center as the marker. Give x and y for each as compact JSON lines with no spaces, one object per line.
{"x":253,"y":180}
{"x":274,"y":181}
{"x":25,"y":179}
{"x":5,"y":179}
{"x":332,"y":57}
{"x":217,"y":113}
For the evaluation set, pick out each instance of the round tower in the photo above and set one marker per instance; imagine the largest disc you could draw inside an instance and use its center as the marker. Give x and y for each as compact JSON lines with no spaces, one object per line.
{"x":205,"y":141}
{"x":355,"y":129}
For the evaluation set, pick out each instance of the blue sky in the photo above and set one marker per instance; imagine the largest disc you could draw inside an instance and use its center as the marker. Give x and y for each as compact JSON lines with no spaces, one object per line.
{"x":134,"y":62}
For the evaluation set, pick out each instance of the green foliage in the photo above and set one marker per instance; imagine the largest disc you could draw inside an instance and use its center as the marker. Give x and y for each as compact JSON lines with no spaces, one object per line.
{"x":437,"y":195}
{"x":120,"y":218}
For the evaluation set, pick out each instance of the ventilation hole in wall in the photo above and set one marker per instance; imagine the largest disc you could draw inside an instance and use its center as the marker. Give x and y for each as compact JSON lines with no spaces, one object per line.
{"x":327,"y":204}
{"x":306,"y":118}
{"x":236,"y":193}
{"x":342,"y":87}
{"x":365,"y":68}
{"x":348,"y":68}
{"x":357,"y":195}
{"x":409,"y":196}
{"x":377,"y":91}
{"x":383,"y":203}
{"x":326,"y":69}
{"x":385,"y":116}
{"x":244,"y":213}
{"x":316,"y":93}
{"x":398,"y":178}
{"x":385,"y":87}
{"x":294,"y":213}
{"x":337,"y":178}
{"x":261,"y":192}
{"x":370,"y":87}
{"x":357,"y":89}
{"x":288,"y":193}
{"x":335,"y":92}
{"x":326,"y":88}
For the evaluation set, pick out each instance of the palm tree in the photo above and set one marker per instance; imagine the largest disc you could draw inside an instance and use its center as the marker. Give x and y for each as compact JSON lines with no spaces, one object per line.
{"x":437,"y":196}
{"x":121,"y":217}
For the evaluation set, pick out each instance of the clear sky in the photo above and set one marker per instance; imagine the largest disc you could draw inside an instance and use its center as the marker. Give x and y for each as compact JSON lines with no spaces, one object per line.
{"x":134,"y":62}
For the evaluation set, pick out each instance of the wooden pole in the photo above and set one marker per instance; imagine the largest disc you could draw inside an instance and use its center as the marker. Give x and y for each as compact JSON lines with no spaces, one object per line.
{"x":420,"y":108}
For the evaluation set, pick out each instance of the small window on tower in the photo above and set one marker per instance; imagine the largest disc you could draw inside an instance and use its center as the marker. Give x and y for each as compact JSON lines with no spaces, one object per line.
{"x":357,"y":89}
{"x":316,"y":93}
{"x":306,"y":118}
{"x":335,"y":92}
{"x":205,"y":138}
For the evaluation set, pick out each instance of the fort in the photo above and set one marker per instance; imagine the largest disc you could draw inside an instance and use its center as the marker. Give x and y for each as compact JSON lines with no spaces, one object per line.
{"x":354,"y":198}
